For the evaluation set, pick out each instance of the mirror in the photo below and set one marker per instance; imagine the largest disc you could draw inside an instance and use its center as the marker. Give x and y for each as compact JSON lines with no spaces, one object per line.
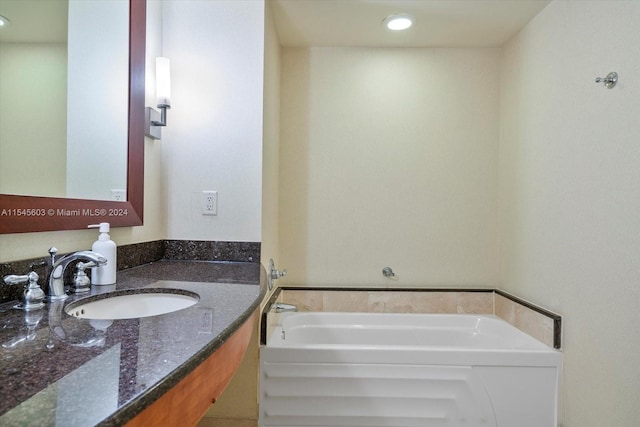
{"x":64,"y":70}
{"x":20,"y":213}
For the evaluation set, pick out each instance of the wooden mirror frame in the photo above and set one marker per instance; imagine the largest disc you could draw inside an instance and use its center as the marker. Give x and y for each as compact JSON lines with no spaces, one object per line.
{"x":23,"y":214}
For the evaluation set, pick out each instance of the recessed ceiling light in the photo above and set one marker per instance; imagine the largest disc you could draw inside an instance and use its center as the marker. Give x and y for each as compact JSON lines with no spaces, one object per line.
{"x":398,"y":22}
{"x":4,"y":21}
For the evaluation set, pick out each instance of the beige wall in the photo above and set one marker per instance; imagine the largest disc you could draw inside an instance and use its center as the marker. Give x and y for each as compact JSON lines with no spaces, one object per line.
{"x":240,"y":399}
{"x":570,"y":195}
{"x":271,"y":143}
{"x":388,"y":157}
{"x":33,"y":84}
{"x":28,"y":245}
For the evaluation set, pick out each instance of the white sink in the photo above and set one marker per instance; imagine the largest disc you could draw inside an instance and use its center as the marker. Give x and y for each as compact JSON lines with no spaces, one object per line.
{"x":127,"y":305}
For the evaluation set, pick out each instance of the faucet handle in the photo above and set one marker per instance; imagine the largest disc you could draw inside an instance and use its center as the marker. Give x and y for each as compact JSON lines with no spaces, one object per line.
{"x":33,"y":294}
{"x":14,"y":279}
{"x":81,"y":282}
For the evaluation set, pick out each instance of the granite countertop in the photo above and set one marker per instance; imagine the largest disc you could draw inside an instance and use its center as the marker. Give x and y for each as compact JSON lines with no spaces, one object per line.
{"x":56,"y":369}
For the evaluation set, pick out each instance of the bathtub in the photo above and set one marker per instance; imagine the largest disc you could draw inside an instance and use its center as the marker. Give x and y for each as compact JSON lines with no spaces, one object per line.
{"x":379,"y":369}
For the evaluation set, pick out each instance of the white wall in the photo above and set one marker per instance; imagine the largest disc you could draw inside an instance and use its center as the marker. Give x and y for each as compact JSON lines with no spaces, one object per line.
{"x":240,"y":399}
{"x":570,"y":195}
{"x":213,"y":140}
{"x":98,"y":69}
{"x":389,"y":158}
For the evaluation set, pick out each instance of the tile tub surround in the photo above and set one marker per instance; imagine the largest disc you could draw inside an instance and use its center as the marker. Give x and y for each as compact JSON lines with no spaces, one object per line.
{"x":51,"y":377}
{"x":536,"y":321}
{"x":138,"y":254}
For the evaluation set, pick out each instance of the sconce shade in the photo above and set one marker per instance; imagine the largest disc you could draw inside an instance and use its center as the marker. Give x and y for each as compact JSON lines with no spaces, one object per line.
{"x":154,"y":120}
{"x":163,"y":82}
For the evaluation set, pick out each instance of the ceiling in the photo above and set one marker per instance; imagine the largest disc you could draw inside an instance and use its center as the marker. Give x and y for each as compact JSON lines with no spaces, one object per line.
{"x":34,"y":21}
{"x":438,"y":23}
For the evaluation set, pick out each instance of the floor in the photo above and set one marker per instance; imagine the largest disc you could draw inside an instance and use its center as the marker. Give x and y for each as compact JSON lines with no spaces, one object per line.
{"x":226,"y":422}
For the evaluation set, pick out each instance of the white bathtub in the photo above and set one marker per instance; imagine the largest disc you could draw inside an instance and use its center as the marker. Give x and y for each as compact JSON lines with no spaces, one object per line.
{"x":378,"y":369}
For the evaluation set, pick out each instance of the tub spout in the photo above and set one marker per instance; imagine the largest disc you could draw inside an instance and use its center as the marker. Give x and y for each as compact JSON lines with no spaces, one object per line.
{"x":281,"y":307}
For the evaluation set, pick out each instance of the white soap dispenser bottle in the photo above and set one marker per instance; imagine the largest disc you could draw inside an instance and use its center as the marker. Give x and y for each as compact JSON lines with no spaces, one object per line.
{"x":105,"y":275}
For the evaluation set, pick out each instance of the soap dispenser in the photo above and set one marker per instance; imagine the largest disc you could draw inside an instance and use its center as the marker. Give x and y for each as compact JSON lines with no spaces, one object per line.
{"x":105,"y":275}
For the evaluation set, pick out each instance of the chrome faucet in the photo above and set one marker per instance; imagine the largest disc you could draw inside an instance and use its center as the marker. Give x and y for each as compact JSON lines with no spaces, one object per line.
{"x":56,"y":279}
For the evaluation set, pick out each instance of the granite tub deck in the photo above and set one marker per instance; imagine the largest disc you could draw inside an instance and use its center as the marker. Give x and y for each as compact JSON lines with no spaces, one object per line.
{"x":59,"y":370}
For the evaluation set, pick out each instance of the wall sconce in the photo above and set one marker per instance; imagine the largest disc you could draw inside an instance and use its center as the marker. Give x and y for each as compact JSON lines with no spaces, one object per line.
{"x":154,"y":120}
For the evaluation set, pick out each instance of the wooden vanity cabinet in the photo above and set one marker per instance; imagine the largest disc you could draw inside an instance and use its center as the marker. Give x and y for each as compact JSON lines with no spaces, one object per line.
{"x":189,"y":400}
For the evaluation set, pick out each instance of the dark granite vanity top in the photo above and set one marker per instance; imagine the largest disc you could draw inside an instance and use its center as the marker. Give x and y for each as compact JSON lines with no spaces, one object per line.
{"x":59,"y":370}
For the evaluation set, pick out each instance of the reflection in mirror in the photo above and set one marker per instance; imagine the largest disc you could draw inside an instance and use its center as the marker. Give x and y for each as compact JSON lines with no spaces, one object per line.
{"x":64,"y":70}
{"x":22,"y":214}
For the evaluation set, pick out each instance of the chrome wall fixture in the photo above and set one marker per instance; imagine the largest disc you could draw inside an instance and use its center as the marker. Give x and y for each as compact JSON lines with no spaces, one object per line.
{"x":155,"y":120}
{"x":274,"y":274}
{"x":609,"y":81}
